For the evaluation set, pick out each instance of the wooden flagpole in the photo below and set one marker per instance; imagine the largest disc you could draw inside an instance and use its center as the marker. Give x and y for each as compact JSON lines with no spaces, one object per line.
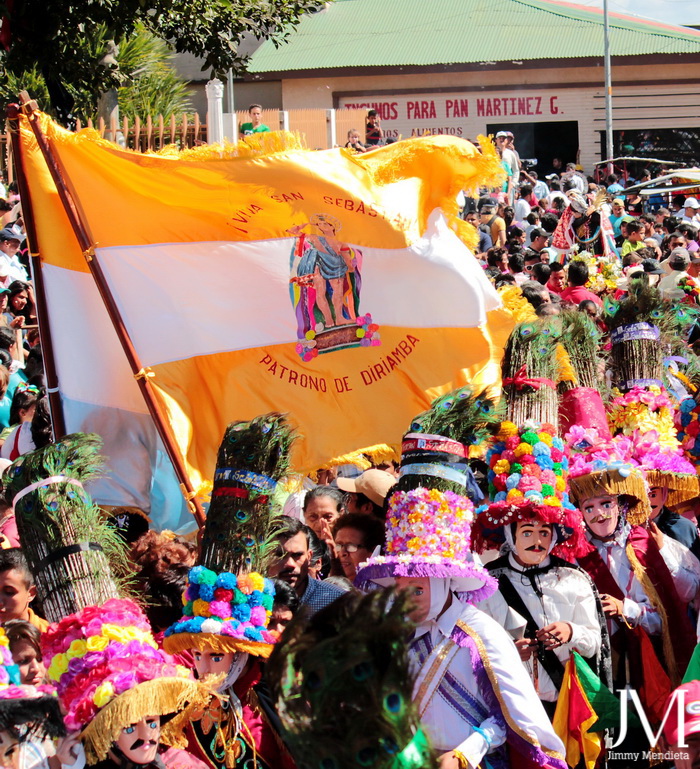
{"x":141,"y":374}
{"x":58,"y":423}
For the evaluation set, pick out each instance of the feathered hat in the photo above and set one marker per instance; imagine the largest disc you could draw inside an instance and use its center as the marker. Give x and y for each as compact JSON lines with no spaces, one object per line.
{"x":228,"y":601}
{"x":26,"y":712}
{"x":72,"y":550}
{"x":531,"y":366}
{"x":600,"y":467}
{"x":528,"y":470}
{"x":343,"y":686}
{"x":429,"y":517}
{"x":102,"y":657}
{"x":110,"y":673}
{"x":636,"y":354}
{"x":581,"y":402}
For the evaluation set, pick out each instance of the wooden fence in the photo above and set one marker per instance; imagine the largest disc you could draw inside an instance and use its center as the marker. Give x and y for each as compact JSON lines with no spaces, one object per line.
{"x":151,"y":134}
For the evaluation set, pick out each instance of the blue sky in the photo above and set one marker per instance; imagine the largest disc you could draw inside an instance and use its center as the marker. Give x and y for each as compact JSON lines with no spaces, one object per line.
{"x":682,"y":12}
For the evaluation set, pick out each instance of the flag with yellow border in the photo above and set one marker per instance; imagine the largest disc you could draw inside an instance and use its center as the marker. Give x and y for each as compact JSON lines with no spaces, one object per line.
{"x":333,"y":287}
{"x":574,"y":716}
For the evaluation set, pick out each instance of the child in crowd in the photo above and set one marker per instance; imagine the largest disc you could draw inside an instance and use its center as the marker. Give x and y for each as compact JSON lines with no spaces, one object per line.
{"x":17,"y":589}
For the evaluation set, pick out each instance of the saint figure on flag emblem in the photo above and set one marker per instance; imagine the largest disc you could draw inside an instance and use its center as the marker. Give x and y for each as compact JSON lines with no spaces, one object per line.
{"x":325,"y":286}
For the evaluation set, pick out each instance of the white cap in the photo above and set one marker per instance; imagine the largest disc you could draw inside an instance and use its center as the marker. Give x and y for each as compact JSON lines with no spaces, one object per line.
{"x":691,"y":203}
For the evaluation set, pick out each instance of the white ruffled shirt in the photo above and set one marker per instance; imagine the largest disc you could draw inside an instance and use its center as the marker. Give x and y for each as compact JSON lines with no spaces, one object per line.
{"x":567,"y":596}
{"x":637,"y":609}
{"x":448,"y":730}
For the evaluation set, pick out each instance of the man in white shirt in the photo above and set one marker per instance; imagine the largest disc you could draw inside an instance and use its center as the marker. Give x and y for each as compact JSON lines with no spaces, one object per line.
{"x":522,"y":206}
{"x":691,"y":211}
{"x":9,"y":246}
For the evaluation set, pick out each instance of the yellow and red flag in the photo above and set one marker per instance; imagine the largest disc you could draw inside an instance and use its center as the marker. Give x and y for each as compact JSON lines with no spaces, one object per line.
{"x":574,"y":716}
{"x":330,"y":286}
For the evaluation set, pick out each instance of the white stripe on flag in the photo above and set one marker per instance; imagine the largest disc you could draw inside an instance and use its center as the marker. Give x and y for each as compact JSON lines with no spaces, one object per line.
{"x":92,"y":367}
{"x":185,"y":299}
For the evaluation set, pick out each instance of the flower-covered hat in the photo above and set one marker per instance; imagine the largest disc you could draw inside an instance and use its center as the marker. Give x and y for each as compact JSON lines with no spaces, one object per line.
{"x":26,"y":712}
{"x":430,"y":514}
{"x":428,"y":534}
{"x":528,"y":470}
{"x":648,"y":417}
{"x":109,"y":673}
{"x":598,"y":467}
{"x":666,"y":469}
{"x":224,"y":611}
{"x":428,"y":530}
{"x":228,"y":601}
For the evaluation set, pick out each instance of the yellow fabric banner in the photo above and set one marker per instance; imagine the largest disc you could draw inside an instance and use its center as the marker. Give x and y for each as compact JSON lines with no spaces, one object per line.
{"x":333,"y":287}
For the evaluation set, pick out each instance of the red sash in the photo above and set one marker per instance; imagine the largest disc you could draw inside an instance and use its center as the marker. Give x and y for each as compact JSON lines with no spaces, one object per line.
{"x":683,"y":633}
{"x":14,"y":453}
{"x":647,"y":675}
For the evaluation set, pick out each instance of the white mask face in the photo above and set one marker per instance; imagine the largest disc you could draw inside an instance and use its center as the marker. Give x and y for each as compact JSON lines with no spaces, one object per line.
{"x":601,"y":515}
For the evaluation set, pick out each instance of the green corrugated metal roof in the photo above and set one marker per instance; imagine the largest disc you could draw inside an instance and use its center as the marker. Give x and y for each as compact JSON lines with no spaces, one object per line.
{"x":391,"y":33}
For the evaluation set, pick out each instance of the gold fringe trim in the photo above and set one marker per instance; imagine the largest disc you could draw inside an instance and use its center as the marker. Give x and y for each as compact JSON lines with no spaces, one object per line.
{"x":180,"y":642}
{"x":681,"y":487}
{"x":254,"y":146}
{"x":468,"y":169}
{"x":171,"y":733}
{"x":466,"y":232}
{"x":515,"y":304}
{"x":292,"y":483}
{"x":382,"y":453}
{"x":366,"y":457}
{"x":505,"y":711}
{"x":611,"y":482}
{"x":351,"y":458}
{"x":159,"y":697}
{"x":257,"y":145}
{"x":656,"y":602}
{"x":566,"y":370}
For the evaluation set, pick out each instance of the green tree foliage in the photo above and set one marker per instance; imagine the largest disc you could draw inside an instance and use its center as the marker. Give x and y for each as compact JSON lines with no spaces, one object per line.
{"x":148,"y":84}
{"x":63,"y":40}
{"x":151,"y":85}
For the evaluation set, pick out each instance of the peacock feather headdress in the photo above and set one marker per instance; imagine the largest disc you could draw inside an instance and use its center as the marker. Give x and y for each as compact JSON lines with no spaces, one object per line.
{"x":99,"y":651}
{"x":228,"y":600}
{"x":459,"y":420}
{"x":432,"y":498}
{"x":530,"y":372}
{"x":72,"y":550}
{"x":342,"y":684}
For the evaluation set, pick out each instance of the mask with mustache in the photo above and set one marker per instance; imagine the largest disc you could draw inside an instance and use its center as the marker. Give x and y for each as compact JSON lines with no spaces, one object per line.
{"x":532,"y":542}
{"x":138,"y":744}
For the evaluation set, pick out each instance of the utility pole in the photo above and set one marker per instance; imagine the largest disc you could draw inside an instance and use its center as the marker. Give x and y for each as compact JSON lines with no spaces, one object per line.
{"x":608,"y":88}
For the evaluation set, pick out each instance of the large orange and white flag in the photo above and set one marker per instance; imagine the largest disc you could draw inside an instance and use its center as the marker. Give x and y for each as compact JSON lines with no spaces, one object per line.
{"x":97,"y":389}
{"x":329,"y":286}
